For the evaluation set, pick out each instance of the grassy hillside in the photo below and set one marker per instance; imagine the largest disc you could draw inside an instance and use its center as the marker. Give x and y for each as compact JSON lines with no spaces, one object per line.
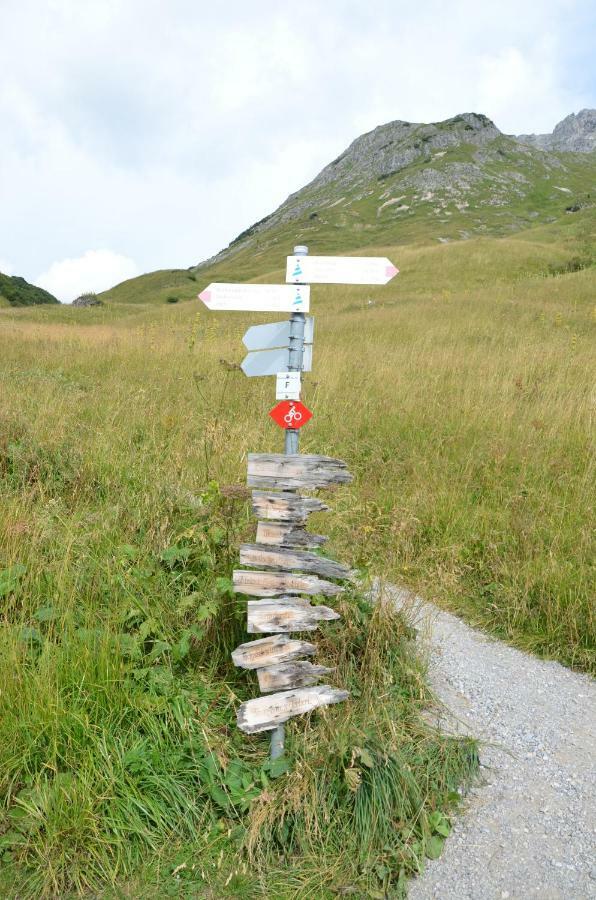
{"x":15,"y":291}
{"x":165,"y":286}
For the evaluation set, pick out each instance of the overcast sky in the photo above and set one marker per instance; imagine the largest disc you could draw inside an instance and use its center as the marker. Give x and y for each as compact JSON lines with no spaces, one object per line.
{"x":146,"y":134}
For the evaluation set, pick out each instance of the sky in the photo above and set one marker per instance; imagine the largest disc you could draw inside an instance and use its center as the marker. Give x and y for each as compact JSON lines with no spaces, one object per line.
{"x":145,"y":134}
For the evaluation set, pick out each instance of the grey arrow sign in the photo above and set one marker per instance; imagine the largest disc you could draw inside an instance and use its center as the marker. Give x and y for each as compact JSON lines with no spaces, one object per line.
{"x":270,"y":362}
{"x":275,"y":334}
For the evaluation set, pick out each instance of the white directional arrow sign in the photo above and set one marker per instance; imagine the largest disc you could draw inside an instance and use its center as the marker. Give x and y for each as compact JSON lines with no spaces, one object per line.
{"x":256,"y":297}
{"x":275,"y":334}
{"x":270,"y":362}
{"x":340,"y":269}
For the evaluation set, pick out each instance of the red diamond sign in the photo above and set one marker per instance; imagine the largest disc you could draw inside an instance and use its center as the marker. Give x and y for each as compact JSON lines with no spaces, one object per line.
{"x":290,"y":414}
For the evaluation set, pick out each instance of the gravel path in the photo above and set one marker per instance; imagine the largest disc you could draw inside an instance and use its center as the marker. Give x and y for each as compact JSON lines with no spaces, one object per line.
{"x":528,"y":828}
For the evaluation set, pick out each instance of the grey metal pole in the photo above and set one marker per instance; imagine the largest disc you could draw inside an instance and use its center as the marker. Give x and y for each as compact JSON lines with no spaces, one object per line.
{"x":295,"y":353}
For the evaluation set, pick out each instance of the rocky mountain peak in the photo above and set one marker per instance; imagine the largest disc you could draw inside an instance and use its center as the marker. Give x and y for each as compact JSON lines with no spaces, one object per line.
{"x":576,"y":133}
{"x":389,"y":148}
{"x":452,"y":179}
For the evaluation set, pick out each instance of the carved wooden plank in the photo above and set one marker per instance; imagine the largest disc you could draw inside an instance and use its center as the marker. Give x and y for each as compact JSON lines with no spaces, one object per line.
{"x":287,"y":534}
{"x":292,"y":560}
{"x":297,"y":470}
{"x":292,"y":598}
{"x":285,"y":507}
{"x":273,"y":617}
{"x":271,"y":651}
{"x":266,"y":713}
{"x":271,"y":584}
{"x":290,"y":675}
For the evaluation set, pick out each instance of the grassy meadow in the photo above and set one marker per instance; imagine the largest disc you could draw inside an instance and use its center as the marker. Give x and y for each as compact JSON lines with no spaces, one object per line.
{"x":460,"y":396}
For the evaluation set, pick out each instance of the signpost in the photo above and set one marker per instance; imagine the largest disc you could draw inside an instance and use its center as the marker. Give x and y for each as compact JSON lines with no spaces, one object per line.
{"x":290,"y":560}
{"x":285,"y":506}
{"x":287,"y":386}
{"x":275,"y":334}
{"x":267,"y":713}
{"x":271,"y":362}
{"x":270,"y":651}
{"x":283,"y":616}
{"x":339,"y":269}
{"x":287,"y":534}
{"x":256,"y":297}
{"x":291,"y":414}
{"x":282,"y":572}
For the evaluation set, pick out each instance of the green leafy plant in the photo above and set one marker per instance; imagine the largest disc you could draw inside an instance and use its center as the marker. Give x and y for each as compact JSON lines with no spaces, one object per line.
{"x":10,"y":579}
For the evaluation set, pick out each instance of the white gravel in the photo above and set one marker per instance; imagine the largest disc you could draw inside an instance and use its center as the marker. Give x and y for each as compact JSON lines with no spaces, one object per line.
{"x":528,"y":828}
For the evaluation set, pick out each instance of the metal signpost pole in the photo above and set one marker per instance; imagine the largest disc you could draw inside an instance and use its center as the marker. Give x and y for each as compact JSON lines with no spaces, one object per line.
{"x":295,"y":354}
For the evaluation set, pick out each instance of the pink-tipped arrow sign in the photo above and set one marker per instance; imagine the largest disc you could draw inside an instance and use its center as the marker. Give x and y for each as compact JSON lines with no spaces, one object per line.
{"x":256,"y":297}
{"x":340,"y":270}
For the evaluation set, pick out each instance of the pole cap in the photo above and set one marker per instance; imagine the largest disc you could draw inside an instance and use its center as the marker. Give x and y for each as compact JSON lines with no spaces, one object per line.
{"x":300,"y":250}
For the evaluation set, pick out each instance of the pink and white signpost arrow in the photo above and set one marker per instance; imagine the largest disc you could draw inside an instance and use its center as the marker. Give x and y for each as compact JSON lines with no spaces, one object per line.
{"x":340,"y":269}
{"x":256,"y":297}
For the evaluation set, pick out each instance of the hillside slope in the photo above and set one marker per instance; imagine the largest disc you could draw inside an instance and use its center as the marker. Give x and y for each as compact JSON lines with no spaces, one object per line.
{"x":15,"y":291}
{"x":406,"y":183}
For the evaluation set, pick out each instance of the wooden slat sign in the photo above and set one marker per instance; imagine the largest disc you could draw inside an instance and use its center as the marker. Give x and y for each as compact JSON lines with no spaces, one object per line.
{"x":285,"y":507}
{"x":287,"y":534}
{"x":270,"y":651}
{"x":289,"y":676}
{"x":266,"y":713}
{"x":273,"y":617}
{"x":291,"y":560}
{"x":272,"y":584}
{"x":286,"y":575}
{"x":274,"y":470}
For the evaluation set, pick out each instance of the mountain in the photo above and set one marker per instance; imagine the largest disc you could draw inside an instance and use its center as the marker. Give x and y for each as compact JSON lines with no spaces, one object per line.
{"x":576,"y":134}
{"x":443,"y":181}
{"x":15,"y":291}
{"x":407,"y":183}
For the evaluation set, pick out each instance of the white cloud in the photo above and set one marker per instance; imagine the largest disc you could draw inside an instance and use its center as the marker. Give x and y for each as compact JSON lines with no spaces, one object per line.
{"x":95,"y":270}
{"x":517,"y":85}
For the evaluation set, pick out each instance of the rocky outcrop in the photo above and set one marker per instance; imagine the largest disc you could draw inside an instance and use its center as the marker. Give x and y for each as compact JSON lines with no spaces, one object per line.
{"x":392,"y":147}
{"x":88,"y":299}
{"x":575,"y":134}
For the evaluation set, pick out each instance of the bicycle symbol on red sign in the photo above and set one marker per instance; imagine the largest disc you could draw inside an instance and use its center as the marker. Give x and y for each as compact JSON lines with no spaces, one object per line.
{"x":290,"y":414}
{"x":293,"y":416}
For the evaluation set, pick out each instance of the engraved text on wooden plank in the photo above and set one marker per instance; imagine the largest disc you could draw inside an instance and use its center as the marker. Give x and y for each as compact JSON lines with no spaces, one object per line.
{"x":270,"y":651}
{"x":266,"y":713}
{"x":272,"y":617}
{"x":287,"y":534}
{"x":271,"y":584}
{"x":292,"y":560}
{"x":284,"y":506}
{"x":274,"y":470}
{"x":289,"y":676}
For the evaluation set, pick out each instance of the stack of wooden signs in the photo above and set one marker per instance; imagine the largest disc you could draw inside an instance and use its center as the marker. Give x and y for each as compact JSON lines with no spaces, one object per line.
{"x":283,"y":576}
